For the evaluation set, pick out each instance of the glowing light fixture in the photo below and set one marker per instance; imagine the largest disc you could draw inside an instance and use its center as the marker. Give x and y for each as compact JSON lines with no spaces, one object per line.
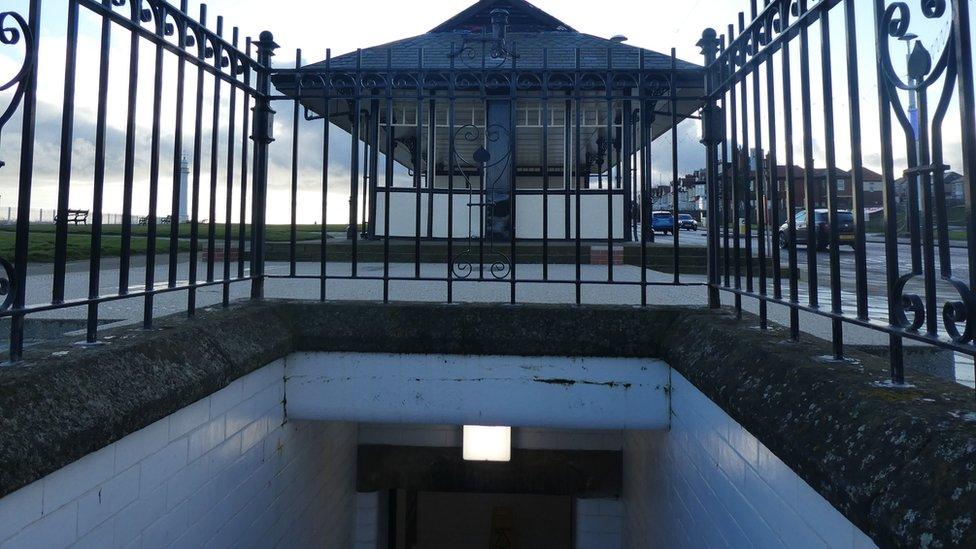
{"x":487,"y":443}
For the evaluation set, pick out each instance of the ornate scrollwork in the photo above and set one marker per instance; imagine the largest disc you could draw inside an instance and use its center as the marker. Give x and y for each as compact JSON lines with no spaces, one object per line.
{"x":481,"y":162}
{"x":959,"y":312}
{"x":14,"y":30}
{"x":488,"y":50}
{"x":499,"y":268}
{"x":895,"y":23}
{"x":907,"y":303}
{"x":922,"y":72}
{"x":6,"y":284}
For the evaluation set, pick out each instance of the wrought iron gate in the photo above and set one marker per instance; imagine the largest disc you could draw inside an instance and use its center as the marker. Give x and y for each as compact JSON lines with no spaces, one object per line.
{"x":751,"y":69}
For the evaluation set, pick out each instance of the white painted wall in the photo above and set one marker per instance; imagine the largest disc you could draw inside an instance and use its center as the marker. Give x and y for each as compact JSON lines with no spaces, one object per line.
{"x":599,"y":523}
{"x":709,"y":483}
{"x":529,"y":218}
{"x":478,"y":390}
{"x":223,"y":472}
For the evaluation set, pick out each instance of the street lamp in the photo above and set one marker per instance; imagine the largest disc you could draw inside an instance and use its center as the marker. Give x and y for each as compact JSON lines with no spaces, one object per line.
{"x":912,"y":103}
{"x":912,"y":100}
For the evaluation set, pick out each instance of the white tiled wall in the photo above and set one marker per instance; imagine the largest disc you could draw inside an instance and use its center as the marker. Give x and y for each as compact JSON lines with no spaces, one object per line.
{"x":709,"y":483}
{"x":599,"y":523}
{"x":367,"y":520}
{"x":226,"y":471}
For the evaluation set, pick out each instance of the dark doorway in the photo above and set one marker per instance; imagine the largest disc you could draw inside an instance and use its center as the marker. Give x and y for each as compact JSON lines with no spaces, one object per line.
{"x":443,"y":520}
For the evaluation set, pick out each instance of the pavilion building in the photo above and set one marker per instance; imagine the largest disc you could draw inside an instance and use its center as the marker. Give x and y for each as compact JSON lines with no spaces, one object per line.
{"x":503,"y":117}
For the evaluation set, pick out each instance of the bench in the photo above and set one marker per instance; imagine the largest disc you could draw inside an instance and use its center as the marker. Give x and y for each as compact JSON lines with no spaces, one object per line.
{"x":75,"y":216}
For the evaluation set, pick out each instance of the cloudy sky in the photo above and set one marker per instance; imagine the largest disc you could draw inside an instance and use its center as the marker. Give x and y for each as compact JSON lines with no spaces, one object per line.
{"x":315,"y":25}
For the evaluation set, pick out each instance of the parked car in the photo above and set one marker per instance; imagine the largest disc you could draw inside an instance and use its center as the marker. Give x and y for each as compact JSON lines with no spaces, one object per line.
{"x":845,"y":225}
{"x":662,"y":222}
{"x":687,"y":223}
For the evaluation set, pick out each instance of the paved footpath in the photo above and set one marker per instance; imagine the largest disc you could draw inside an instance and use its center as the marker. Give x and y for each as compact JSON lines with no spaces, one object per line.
{"x":130,"y":311}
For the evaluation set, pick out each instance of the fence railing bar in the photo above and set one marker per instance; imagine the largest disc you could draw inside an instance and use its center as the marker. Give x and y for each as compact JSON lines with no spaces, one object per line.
{"x":293,"y":207}
{"x":326,"y":144}
{"x":790,"y":173}
{"x":837,"y":327}
{"x":214,"y":161}
{"x":229,"y":198}
{"x":85,"y":302}
{"x":129,"y":163}
{"x":611,"y":145}
{"x":245,"y":168}
{"x":646,"y":117}
{"x":737,"y":177}
{"x":178,"y":158}
{"x":808,"y":166}
{"x":675,"y":226}
{"x":895,"y":344}
{"x":417,"y":163}
{"x":773,"y":179}
{"x":577,"y":166}
{"x":451,"y":152}
{"x":857,"y":160}
{"x":759,"y":182}
{"x":195,"y":178}
{"x":513,"y":162}
{"x":21,"y":243}
{"x":154,"y":167}
{"x":65,"y":164}
{"x":390,"y":161}
{"x":98,"y":181}
{"x":748,"y":179}
{"x":879,"y":326}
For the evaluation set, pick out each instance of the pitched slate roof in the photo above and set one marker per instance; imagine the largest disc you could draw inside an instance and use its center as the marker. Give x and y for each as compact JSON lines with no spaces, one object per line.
{"x":529,"y":47}
{"x":531,"y":33}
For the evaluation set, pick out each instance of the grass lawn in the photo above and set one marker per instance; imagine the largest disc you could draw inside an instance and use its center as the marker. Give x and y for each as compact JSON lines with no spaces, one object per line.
{"x":275,"y":233}
{"x":41,"y":243}
{"x":41,"y":246}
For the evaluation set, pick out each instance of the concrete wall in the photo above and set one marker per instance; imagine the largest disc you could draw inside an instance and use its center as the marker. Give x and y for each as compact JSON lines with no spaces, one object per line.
{"x":561,"y":392}
{"x":225,"y":471}
{"x":709,"y":483}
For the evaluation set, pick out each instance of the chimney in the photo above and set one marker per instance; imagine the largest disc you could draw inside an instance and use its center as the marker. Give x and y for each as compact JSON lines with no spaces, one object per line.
{"x":499,"y":24}
{"x":620,"y":39}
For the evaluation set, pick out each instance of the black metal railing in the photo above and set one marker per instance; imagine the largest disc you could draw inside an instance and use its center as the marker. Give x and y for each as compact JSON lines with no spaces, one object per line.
{"x":433,"y":157}
{"x":773,"y":83}
{"x":490,"y":166}
{"x":472,"y":167}
{"x":179,"y":44}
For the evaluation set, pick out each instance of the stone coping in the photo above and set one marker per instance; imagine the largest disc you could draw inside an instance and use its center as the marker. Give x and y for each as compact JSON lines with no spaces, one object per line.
{"x":900,"y":463}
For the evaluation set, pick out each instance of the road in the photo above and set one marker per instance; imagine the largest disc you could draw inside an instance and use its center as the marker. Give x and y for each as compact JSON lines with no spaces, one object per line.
{"x":876,"y":264}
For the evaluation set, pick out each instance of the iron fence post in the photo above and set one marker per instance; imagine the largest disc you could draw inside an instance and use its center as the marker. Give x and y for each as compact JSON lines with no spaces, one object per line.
{"x":712,"y":135}
{"x":16,"y":275}
{"x":263,"y":136}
